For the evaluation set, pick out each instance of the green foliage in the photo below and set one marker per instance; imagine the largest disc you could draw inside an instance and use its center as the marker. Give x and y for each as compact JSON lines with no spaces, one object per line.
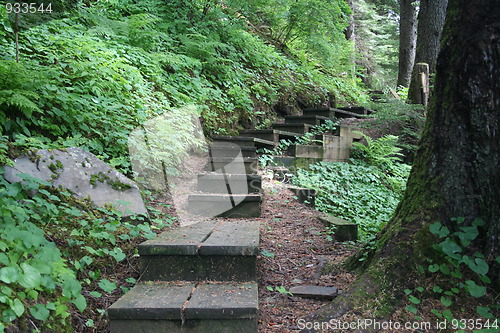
{"x":382,"y":152}
{"x":401,"y":119}
{"x":89,"y":242}
{"x":460,"y":275}
{"x":359,"y":193}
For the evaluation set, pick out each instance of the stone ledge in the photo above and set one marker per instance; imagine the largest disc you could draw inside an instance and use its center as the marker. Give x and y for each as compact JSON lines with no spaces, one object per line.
{"x":344,"y":230}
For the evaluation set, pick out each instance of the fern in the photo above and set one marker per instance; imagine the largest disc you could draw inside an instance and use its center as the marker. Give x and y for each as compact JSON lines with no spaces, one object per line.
{"x":20,"y":99}
{"x":382,"y":152}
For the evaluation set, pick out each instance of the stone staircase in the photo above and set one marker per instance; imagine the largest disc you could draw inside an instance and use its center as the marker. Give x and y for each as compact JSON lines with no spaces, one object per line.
{"x":202,"y":278}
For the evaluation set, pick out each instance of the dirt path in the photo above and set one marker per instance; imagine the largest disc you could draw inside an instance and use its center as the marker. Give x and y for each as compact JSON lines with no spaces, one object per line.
{"x":294,"y":248}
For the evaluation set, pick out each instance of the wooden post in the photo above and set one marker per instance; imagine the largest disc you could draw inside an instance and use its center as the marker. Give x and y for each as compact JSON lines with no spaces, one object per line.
{"x":421,"y":76}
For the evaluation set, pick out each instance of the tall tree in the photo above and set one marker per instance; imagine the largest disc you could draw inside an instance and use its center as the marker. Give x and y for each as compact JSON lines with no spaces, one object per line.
{"x":456,"y":168}
{"x":431,"y":19}
{"x":407,"y":40}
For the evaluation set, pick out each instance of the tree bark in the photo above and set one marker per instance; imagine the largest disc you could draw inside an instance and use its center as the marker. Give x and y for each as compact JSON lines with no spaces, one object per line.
{"x":456,"y":168}
{"x":431,"y":19}
{"x":407,"y":41}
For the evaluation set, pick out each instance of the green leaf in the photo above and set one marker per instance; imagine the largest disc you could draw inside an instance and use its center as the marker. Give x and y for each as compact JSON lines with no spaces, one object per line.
{"x":40,"y":312}
{"x":71,"y":288}
{"x":9,"y":274}
{"x":270,"y":288}
{"x":438,"y":229}
{"x":413,"y":299}
{"x":266,"y":253}
{"x":450,"y":248}
{"x":31,"y":277}
{"x":446,"y":301}
{"x":95,"y":294}
{"x":411,"y":308}
{"x":479,"y":266}
{"x":107,"y":285}
{"x":80,"y":302}
{"x":433,"y":268}
{"x":475,"y":290}
{"x":18,"y":307}
{"x":484,"y":311}
{"x":437,"y":289}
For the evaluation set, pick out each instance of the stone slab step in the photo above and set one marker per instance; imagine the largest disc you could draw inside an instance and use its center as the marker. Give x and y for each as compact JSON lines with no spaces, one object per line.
{"x":210,"y":250}
{"x":344,"y":230}
{"x":229,"y":183}
{"x":152,"y":307}
{"x":306,"y":151}
{"x":315,"y":292}
{"x":357,"y":109}
{"x":269,"y":134}
{"x":294,"y":128}
{"x":307,"y":119}
{"x":323,"y":112}
{"x":230,"y":165}
{"x":304,"y":195}
{"x":225,"y":205}
{"x":244,"y":141}
{"x":227,"y":149}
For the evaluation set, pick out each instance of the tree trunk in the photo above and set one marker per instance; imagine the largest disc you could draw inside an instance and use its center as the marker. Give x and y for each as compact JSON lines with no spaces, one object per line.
{"x":431,"y":19}
{"x":407,"y":40}
{"x":456,"y":172}
{"x":349,"y":30}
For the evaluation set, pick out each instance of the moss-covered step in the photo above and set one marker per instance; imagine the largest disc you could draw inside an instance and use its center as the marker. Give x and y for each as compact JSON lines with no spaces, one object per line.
{"x":244,"y":141}
{"x":233,"y":165}
{"x":269,"y":134}
{"x":152,"y":307}
{"x":229,"y":183}
{"x":304,"y":195}
{"x":344,"y":230}
{"x":307,"y":119}
{"x":209,"y":250}
{"x":225,"y":205}
{"x":300,"y":128}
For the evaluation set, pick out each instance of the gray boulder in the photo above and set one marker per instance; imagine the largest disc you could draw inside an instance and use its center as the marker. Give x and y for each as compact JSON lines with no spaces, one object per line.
{"x":83,"y":174}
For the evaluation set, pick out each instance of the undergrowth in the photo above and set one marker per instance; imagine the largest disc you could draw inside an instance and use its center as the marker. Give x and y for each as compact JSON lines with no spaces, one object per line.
{"x":365,"y":191}
{"x":61,"y":258}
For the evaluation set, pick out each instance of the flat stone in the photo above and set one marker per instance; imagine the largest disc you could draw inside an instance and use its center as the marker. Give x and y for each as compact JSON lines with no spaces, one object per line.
{"x":225,"y":205}
{"x":152,"y":300}
{"x":245,"y":141}
{"x":344,"y":230}
{"x":179,"y":241}
{"x":230,"y":165}
{"x":233,"y":238}
{"x":223,"y":300}
{"x":294,"y":128}
{"x":304,"y":195}
{"x":314,"y":292}
{"x":83,"y":174}
{"x":307,"y":119}
{"x":235,"y":183}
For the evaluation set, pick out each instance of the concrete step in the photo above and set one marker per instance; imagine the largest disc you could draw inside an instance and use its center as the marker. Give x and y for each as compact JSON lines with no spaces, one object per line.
{"x":313,"y":120}
{"x":357,"y":109}
{"x":152,"y":307}
{"x":294,"y":128}
{"x":306,"y":151}
{"x":229,"y":183}
{"x":208,"y":250}
{"x":323,"y":112}
{"x":227,"y":149}
{"x":244,"y":141}
{"x":269,"y":134}
{"x":225,"y":205}
{"x":230,"y":165}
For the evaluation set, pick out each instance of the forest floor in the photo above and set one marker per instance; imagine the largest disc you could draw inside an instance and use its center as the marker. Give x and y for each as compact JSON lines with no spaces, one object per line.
{"x":295,"y":250}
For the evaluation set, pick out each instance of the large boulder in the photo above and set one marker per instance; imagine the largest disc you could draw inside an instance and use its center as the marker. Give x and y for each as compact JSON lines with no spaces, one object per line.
{"x":83,"y":174}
